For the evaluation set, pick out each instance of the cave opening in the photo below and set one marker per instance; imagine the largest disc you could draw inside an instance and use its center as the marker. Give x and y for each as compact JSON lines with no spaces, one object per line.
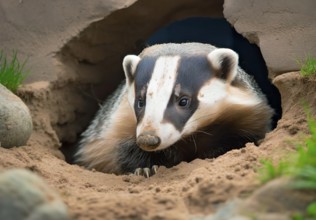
{"x":93,"y":59}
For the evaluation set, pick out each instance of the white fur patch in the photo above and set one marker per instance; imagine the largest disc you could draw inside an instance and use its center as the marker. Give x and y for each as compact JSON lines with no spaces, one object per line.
{"x":210,"y":97}
{"x":161,"y":87}
{"x":240,"y":97}
{"x":212,"y":91}
{"x":217,"y":90}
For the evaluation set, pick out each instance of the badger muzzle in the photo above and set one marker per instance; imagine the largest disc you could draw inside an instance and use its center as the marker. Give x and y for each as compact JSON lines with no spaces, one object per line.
{"x":148,"y":141}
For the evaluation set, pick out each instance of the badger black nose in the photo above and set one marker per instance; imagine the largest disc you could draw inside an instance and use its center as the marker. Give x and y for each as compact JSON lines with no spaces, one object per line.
{"x":148,"y":141}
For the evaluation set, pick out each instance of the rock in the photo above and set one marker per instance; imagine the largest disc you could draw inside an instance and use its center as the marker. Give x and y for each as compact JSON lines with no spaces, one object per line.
{"x":284,"y":30}
{"x":278,"y":196}
{"x":15,"y":120}
{"x":25,"y":196}
{"x":276,"y":200}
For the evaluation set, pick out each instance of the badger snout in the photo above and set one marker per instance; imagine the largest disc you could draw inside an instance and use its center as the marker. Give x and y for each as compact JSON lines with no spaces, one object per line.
{"x":148,"y":141}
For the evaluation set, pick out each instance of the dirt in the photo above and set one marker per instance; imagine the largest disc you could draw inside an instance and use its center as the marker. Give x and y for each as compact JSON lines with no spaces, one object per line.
{"x":189,"y":189}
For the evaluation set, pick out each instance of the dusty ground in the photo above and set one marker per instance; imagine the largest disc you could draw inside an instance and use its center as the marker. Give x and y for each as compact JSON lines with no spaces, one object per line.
{"x":189,"y":189}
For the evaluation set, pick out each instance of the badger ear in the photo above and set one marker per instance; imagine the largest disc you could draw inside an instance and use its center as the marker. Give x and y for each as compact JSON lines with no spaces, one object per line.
{"x":224,"y":63}
{"x":130,"y":63}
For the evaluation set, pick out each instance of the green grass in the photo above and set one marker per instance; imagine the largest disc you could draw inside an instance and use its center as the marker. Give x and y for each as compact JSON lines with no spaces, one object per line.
{"x":308,"y":66}
{"x":301,"y":166}
{"x":305,"y":167}
{"x":270,"y":171}
{"x":12,"y":72}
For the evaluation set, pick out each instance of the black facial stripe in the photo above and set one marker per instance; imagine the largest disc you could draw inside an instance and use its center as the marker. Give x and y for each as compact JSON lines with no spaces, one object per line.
{"x":193,"y":72}
{"x":143,"y":75}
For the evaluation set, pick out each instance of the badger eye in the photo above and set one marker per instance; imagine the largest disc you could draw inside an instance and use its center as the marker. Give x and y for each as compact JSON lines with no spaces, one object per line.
{"x":140,"y":103}
{"x":184,"y":102}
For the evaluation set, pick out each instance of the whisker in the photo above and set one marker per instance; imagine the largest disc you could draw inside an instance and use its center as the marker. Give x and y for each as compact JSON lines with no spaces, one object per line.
{"x":204,"y":116}
{"x":195,"y":146}
{"x":204,"y":132}
{"x":184,"y":139}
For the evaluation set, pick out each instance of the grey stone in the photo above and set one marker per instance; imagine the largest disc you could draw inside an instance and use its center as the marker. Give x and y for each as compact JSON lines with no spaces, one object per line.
{"x":278,"y":196}
{"x":25,"y":196}
{"x":284,"y":30}
{"x":276,"y":200}
{"x":15,"y":120}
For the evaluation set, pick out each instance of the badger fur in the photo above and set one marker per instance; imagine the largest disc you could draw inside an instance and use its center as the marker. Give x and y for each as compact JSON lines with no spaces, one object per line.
{"x":178,"y":102}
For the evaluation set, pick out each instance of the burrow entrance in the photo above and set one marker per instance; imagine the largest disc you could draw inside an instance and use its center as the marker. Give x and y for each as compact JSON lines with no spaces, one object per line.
{"x":93,"y":59}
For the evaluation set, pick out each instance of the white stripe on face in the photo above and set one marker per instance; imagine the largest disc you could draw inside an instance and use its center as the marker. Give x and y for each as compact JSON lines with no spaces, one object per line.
{"x":159,"y":91}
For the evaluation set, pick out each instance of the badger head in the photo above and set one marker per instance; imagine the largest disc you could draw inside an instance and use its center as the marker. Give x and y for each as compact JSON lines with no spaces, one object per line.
{"x":173,"y":96}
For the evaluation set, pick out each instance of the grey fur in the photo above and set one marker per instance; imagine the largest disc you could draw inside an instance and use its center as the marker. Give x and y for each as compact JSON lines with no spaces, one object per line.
{"x":100,"y":122}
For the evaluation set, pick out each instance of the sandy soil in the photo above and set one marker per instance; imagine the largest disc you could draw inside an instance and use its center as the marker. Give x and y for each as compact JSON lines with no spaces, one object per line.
{"x":186,"y":190}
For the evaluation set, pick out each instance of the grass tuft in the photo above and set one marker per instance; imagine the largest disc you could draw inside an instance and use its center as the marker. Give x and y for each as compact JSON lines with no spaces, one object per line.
{"x":270,"y":171}
{"x":308,"y":66}
{"x":301,"y":166}
{"x":305,"y":167}
{"x":12,"y":72}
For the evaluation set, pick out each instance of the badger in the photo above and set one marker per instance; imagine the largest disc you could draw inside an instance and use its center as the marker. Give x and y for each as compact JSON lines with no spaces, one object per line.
{"x":178,"y":102}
